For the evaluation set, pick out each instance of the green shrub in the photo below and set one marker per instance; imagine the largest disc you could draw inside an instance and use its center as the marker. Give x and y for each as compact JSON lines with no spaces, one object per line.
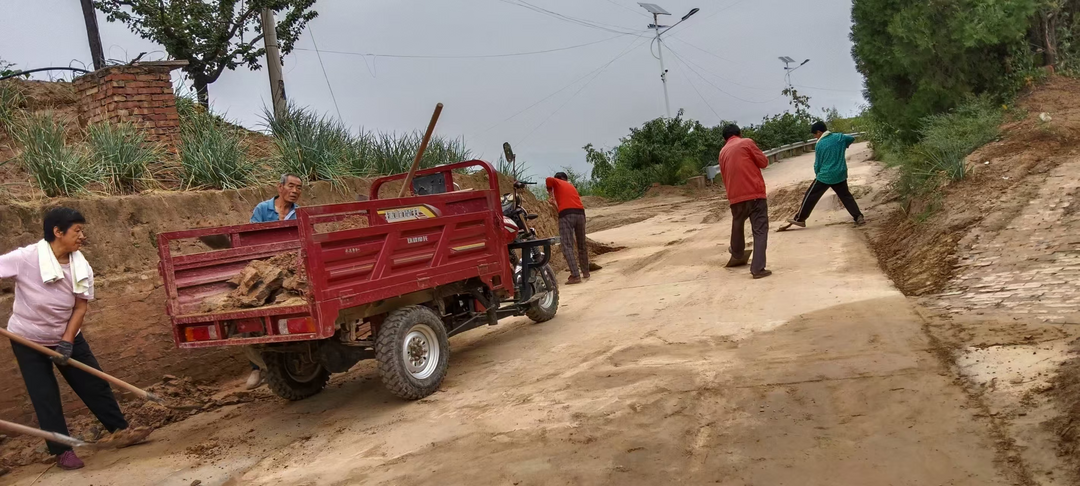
{"x":57,"y":168}
{"x":212,"y":155}
{"x":122,"y":156}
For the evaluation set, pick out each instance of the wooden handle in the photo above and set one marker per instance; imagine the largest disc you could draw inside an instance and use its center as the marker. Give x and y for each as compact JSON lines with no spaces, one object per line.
{"x":44,"y":434}
{"x":420,"y":153}
{"x":93,"y":371}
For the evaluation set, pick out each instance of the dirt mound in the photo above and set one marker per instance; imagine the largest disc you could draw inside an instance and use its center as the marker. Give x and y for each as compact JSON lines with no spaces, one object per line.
{"x":141,"y":415}
{"x":918,"y":249}
{"x":786,"y":201}
{"x":594,"y":202}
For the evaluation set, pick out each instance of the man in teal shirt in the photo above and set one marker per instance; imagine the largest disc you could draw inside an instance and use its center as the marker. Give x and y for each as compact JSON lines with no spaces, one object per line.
{"x":830,"y":172}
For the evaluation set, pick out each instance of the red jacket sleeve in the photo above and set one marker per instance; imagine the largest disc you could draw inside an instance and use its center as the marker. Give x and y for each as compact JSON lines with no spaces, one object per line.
{"x":757,"y":155}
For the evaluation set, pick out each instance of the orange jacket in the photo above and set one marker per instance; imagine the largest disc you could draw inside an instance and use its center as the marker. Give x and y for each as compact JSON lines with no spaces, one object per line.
{"x":741,"y":162}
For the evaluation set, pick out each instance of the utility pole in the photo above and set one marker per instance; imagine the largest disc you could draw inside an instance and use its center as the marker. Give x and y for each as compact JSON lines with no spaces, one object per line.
{"x":92,"y":34}
{"x":656,"y":12}
{"x":273,"y":61}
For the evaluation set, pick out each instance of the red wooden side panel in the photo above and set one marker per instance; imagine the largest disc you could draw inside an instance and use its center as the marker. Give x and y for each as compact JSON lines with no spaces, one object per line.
{"x":354,"y":254}
{"x":410,"y":244}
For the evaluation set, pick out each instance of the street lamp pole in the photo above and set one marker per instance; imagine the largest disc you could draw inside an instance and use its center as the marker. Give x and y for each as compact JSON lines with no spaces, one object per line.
{"x":788,"y":69}
{"x":660,"y":55}
{"x":656,"y":12}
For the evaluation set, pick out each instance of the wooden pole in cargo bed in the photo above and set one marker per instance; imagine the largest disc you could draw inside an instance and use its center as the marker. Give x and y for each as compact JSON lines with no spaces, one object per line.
{"x":420,"y":153}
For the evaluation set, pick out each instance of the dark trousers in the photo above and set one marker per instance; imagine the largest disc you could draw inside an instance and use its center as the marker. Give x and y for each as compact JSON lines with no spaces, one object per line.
{"x":44,"y":391}
{"x":757,"y":211}
{"x":817,"y":189}
{"x":572,"y":240}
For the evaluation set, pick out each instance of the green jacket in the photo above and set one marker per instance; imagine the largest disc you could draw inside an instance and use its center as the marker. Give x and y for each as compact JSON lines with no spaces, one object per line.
{"x":830,"y":163}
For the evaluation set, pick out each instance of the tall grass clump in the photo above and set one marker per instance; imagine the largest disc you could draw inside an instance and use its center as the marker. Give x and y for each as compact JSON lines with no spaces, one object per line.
{"x":122,"y":156}
{"x":518,"y":173}
{"x":314,"y":146}
{"x":945,"y":141}
{"x":57,"y":168}
{"x":212,"y":155}
{"x":11,"y":99}
{"x":393,"y":153}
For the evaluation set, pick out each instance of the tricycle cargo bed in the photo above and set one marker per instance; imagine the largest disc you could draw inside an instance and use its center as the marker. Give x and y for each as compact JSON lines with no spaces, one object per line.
{"x":388,"y":248}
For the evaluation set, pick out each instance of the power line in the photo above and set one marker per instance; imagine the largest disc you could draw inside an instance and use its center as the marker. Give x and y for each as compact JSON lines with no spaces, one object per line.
{"x":560,"y":90}
{"x":829,"y":89}
{"x":327,"y":78}
{"x":708,"y":52}
{"x":718,"y":12}
{"x":573,"y":20}
{"x":472,"y":56}
{"x":598,"y":72}
{"x":638,"y":12}
{"x":710,"y":83}
{"x":692,"y":85}
{"x":728,"y":80}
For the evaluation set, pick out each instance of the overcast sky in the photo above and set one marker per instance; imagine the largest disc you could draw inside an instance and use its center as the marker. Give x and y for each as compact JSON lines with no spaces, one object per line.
{"x":722,"y":64}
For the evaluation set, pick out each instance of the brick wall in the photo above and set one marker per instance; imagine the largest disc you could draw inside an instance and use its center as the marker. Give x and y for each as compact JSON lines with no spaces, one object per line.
{"x":140,"y":93}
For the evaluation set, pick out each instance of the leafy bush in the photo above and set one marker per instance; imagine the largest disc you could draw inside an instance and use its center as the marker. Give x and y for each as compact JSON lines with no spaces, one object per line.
{"x":58,"y":169}
{"x":212,"y":155}
{"x":122,"y":156}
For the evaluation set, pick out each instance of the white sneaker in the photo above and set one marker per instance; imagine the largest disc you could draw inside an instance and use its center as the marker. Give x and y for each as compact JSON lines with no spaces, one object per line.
{"x":254,"y":380}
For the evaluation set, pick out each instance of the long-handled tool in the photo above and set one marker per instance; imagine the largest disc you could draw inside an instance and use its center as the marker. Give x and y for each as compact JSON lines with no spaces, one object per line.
{"x":420,"y":153}
{"x":118,"y":440}
{"x":15,"y":428}
{"x":139,"y":392}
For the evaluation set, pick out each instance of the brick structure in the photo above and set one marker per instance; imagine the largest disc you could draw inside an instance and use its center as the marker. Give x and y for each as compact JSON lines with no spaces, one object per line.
{"x":140,"y":93}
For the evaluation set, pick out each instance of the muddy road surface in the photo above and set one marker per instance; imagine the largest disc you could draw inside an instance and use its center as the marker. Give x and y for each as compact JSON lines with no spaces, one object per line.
{"x":664,"y":368}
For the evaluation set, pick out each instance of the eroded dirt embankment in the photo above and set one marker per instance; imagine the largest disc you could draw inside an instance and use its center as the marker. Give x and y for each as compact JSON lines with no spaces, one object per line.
{"x":996,"y":269}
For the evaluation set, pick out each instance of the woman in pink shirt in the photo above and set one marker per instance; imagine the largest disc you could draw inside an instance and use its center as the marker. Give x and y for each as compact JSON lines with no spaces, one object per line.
{"x":53,"y":285}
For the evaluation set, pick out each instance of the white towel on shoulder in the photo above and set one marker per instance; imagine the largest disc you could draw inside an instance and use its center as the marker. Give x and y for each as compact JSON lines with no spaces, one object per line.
{"x":51,"y":270}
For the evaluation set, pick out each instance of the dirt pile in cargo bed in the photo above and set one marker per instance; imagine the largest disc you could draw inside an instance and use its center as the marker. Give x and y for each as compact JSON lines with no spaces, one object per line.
{"x":274,"y":281}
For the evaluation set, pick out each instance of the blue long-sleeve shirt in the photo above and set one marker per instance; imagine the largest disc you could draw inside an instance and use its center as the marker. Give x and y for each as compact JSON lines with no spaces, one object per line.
{"x":266,"y":213}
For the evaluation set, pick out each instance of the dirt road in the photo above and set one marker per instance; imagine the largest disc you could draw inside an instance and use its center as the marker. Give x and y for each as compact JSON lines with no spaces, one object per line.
{"x":665,"y":368}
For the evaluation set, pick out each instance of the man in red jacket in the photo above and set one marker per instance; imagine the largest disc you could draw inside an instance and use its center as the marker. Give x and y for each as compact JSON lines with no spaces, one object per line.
{"x":564,"y":196}
{"x":741,"y":162}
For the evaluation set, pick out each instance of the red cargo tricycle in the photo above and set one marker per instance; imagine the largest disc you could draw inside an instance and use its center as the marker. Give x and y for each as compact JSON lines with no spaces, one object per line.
{"x":423,"y":269}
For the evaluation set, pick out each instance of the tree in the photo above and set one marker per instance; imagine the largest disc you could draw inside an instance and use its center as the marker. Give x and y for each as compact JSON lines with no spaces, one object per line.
{"x":211,"y":35}
{"x":924,"y":58}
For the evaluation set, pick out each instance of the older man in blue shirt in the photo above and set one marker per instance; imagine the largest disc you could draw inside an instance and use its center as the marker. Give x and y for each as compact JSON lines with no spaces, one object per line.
{"x":279,"y":208}
{"x":283,"y":206}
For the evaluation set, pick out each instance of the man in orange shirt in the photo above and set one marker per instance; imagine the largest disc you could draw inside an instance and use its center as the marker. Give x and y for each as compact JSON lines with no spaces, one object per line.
{"x":564,"y":196}
{"x":741,"y":162}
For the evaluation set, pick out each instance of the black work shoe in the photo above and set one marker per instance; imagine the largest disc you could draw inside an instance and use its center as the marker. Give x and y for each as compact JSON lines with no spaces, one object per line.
{"x":762,"y":274}
{"x":860,"y":220}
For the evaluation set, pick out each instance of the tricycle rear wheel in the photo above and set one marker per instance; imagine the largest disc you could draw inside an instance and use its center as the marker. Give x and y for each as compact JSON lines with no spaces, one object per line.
{"x":293,"y":376}
{"x":544,"y":284}
{"x":413,"y":352}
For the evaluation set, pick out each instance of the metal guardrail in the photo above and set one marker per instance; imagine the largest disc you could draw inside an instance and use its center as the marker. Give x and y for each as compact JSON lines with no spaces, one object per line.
{"x":776,"y":154}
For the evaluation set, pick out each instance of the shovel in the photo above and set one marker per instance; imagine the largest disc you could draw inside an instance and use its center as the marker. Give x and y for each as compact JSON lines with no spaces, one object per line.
{"x":139,"y":392}
{"x":116,"y":442}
